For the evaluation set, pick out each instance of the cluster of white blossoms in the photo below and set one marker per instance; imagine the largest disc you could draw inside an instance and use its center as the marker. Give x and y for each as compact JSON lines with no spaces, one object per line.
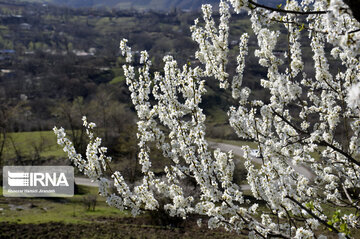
{"x":353,"y":97}
{"x":310,"y":120}
{"x":213,"y":42}
{"x":237,"y":80}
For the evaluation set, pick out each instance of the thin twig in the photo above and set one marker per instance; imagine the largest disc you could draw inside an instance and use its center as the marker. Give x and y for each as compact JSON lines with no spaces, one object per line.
{"x":286,"y":11}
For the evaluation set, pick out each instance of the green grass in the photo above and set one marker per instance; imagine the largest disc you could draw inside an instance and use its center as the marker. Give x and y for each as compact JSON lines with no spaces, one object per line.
{"x":69,"y":210}
{"x":117,"y":79}
{"x":2,"y":28}
{"x":26,"y":144}
{"x":217,"y":115}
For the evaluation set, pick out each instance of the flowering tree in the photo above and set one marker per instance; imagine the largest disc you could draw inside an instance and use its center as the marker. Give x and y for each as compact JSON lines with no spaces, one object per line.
{"x":302,"y":119}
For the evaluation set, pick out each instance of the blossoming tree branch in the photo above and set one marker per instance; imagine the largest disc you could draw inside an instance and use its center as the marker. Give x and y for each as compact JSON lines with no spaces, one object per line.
{"x":304,"y":117}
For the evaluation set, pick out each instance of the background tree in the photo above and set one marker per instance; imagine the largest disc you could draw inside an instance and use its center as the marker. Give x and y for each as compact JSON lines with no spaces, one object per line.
{"x":9,"y":111}
{"x":71,"y":113}
{"x":298,"y":125}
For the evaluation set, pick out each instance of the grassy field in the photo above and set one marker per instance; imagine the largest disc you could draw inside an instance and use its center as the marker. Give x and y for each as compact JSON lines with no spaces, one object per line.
{"x":44,"y":210}
{"x":29,"y":143}
{"x":68,"y":218}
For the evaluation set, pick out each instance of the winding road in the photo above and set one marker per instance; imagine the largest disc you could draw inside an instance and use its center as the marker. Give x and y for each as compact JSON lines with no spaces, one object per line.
{"x":239,"y":152}
{"x":85,"y":182}
{"x":224,"y":147}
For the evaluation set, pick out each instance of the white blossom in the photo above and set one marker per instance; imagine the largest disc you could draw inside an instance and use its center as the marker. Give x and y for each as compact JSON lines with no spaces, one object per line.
{"x":353,"y":96}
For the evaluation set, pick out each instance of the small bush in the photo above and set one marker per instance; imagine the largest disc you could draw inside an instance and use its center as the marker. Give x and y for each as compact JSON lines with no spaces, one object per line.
{"x":89,"y":202}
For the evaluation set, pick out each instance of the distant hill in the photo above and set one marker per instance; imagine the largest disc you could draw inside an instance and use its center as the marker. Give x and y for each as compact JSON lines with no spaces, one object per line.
{"x":161,"y":5}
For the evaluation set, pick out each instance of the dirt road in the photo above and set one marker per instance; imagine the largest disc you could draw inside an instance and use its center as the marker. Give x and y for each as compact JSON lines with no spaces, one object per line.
{"x":238,"y":151}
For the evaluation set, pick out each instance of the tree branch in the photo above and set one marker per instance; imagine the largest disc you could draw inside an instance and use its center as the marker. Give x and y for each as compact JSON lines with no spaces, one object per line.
{"x":285,"y":11}
{"x":313,"y":215}
{"x":348,"y":156}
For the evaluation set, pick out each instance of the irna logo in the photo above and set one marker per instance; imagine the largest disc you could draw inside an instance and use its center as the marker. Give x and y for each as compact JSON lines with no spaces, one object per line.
{"x":37,"y":179}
